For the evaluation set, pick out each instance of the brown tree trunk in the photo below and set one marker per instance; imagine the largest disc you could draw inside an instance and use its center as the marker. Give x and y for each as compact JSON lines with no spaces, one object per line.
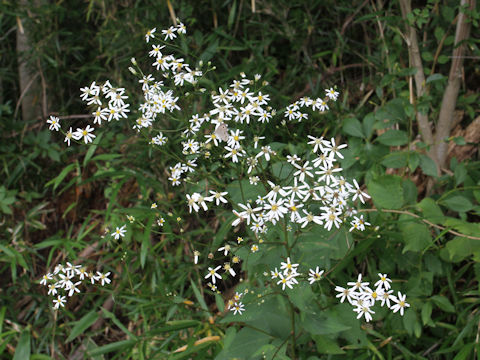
{"x":449,"y":101}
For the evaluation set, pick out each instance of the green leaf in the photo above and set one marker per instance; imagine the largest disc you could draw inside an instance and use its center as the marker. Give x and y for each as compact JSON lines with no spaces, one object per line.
{"x":386,"y":191}
{"x":109,"y":315}
{"x":219,"y":302}
{"x":410,"y":192}
{"x":81,"y":325}
{"x":435,"y":77}
{"x":199,"y":297}
{"x":245,"y":343}
{"x":460,"y":174}
{"x":443,"y":59}
{"x":176,"y":325}
{"x":428,"y":165}
{"x":393,"y":138}
{"x":22,"y":351}
{"x":116,"y":346}
{"x":323,"y":324}
{"x":57,"y":180}
{"x":146,"y":242}
{"x":416,"y":236}
{"x":460,"y":248}
{"x":426,"y":312}
{"x":458,"y":203}
{"x":231,"y":15}
{"x":409,"y":321}
{"x":326,"y":345}
{"x":282,"y":170}
{"x":368,"y":123}
{"x":427,"y":56}
{"x":353,"y":127}
{"x":448,"y":13}
{"x":431,"y":211}
{"x":464,"y":353}
{"x":439,"y":32}
{"x":395,"y":160}
{"x":443,"y":303}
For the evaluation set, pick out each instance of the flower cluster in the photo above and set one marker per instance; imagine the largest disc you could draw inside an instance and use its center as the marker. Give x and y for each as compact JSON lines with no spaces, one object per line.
{"x":362,"y":297}
{"x":116,"y":109}
{"x":63,"y":279}
{"x":235,"y":304}
{"x":287,"y":277}
{"x":330,"y":190}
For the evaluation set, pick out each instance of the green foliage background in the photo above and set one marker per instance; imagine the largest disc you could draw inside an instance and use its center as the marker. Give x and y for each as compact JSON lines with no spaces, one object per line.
{"x":55,"y":201}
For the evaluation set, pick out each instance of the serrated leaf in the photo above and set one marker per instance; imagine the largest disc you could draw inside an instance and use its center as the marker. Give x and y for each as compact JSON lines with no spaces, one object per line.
{"x":431,"y":211}
{"x":353,"y":127}
{"x":458,"y":203}
{"x":460,"y":248}
{"x":428,"y":165}
{"x":416,"y":236}
{"x":386,"y":191}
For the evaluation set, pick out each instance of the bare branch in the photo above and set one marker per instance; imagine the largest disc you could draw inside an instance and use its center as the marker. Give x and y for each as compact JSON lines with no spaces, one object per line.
{"x":416,"y":62}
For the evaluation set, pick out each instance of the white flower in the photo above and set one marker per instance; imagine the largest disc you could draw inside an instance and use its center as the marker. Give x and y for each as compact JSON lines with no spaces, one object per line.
{"x":359,"y":193}
{"x":73,"y":288}
{"x":68,"y":136}
{"x":238,"y":307}
{"x":170,"y":33}
{"x":331,"y":218}
{"x":218,"y":196}
{"x":315,"y":275}
{"x":149,"y":34}
{"x":333,"y":148}
{"x":275,"y":274}
{"x":52,"y":289}
{"x":358,"y":285}
{"x":196,"y":254}
{"x":400,"y":303}
{"x":103,"y":278}
{"x":225,"y":249}
{"x":45,"y":278}
{"x":85,"y":133}
{"x":54,"y":123}
{"x":248,"y":212}
{"x":234,"y":153}
{"x":288,"y":266}
{"x":213,"y":274}
{"x":331,"y":93}
{"x":228,"y":268}
{"x":119,"y":232}
{"x":386,"y":296}
{"x":303,"y":170}
{"x":345,"y":293}
{"x":276,"y":210}
{"x":285,"y":280}
{"x":59,"y":301}
{"x":364,"y":310}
